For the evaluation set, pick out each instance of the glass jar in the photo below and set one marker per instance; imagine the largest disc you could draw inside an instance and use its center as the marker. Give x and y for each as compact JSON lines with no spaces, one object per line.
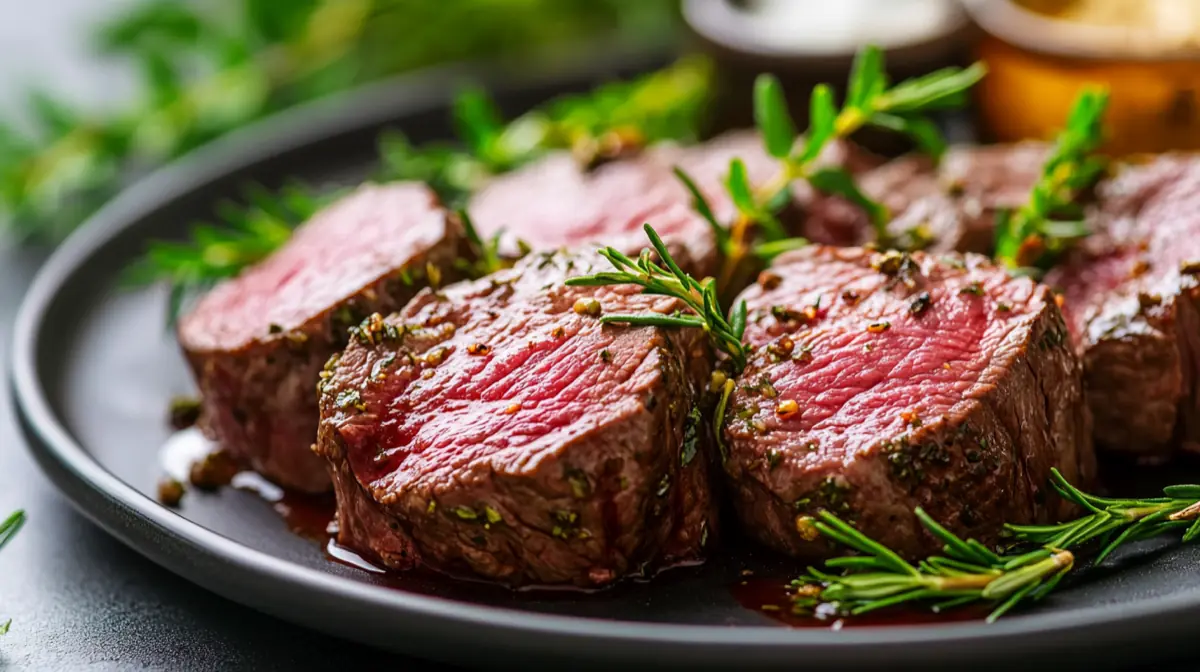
{"x":1040,"y":53}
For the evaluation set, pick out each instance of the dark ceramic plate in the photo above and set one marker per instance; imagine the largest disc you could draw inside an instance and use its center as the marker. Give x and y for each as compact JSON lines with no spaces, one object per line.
{"x":94,"y":368}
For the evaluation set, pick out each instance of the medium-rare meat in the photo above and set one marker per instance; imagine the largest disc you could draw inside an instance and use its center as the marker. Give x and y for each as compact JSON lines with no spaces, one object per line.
{"x":554,"y":203}
{"x":256,"y":343}
{"x":884,"y":382}
{"x":1132,"y":300}
{"x":496,"y":428}
{"x":950,"y":207}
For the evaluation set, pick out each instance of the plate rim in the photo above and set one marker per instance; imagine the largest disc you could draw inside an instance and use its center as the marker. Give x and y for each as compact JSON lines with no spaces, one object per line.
{"x":71,"y":467}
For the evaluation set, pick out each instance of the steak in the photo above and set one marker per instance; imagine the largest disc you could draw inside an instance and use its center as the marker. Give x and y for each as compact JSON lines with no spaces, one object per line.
{"x":556,"y":204}
{"x":497,"y":429}
{"x":884,"y":382}
{"x":256,"y":343}
{"x":1132,"y":301}
{"x":949,"y":207}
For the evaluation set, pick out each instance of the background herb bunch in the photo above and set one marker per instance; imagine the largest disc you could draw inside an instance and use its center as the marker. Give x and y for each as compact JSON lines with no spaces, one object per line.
{"x":208,"y":68}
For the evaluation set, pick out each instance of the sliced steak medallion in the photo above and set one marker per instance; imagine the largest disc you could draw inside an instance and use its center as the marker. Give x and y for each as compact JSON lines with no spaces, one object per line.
{"x":256,"y":343}
{"x":950,"y":207}
{"x":881,"y":383}
{"x":554,"y":203}
{"x":1132,"y":300}
{"x":496,"y":428}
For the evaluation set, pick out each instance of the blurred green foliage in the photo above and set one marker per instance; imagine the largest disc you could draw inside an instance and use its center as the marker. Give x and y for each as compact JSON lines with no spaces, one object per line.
{"x":208,"y":68}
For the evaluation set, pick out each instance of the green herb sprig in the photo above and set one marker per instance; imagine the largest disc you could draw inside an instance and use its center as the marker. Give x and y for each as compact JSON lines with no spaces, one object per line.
{"x":8,"y":530}
{"x":1034,"y":236}
{"x":869,"y":101}
{"x":701,"y":299}
{"x":971,"y":573}
{"x":699,"y":296}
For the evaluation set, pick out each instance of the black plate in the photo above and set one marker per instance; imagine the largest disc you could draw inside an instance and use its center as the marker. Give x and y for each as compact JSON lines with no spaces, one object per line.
{"x":94,"y":368}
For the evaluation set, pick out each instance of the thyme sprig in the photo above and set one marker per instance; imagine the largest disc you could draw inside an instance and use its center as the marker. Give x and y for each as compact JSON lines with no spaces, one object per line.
{"x":700,"y":297}
{"x":1034,"y":236}
{"x":869,"y":101}
{"x":968,"y":572}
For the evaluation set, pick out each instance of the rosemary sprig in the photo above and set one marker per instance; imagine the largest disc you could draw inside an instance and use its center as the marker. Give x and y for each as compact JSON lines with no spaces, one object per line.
{"x":9,"y":529}
{"x":1033,"y":237}
{"x":869,"y":101}
{"x":699,"y":296}
{"x":970,"y":573}
{"x":667,"y":104}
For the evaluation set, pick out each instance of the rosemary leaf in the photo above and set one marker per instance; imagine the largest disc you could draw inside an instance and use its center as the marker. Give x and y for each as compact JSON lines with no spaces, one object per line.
{"x":10,"y":527}
{"x":772,"y":118}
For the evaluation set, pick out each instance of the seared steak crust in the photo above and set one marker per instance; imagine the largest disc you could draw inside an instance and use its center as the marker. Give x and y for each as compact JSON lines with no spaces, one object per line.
{"x":496,"y":428}
{"x":881,"y":383}
{"x":256,"y":343}
{"x":1132,"y":300}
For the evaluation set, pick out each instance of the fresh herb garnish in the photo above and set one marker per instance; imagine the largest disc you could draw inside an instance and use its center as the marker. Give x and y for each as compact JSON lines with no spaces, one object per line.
{"x":904,"y":107}
{"x":485,"y":256}
{"x":971,"y":573}
{"x":1034,"y":236}
{"x":700,"y":297}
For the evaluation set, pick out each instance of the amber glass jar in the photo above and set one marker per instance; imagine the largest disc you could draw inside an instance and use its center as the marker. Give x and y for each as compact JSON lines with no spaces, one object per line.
{"x":1040,"y":53}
